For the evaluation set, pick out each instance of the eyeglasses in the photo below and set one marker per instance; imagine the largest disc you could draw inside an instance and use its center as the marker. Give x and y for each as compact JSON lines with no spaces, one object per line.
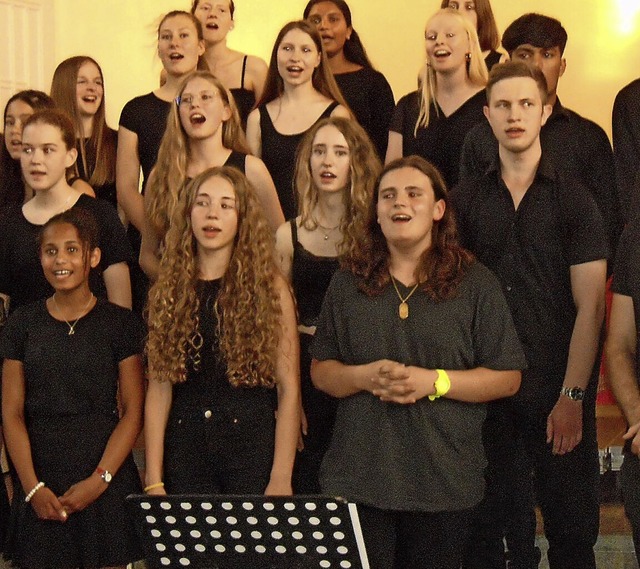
{"x":203,"y":98}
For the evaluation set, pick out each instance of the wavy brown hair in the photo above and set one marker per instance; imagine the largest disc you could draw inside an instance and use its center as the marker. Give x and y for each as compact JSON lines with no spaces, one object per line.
{"x":170,"y":172}
{"x":103,"y":140}
{"x":476,"y":68}
{"x":247,"y":309}
{"x":364,"y":167}
{"x":441,"y":268}
{"x":322,"y":78}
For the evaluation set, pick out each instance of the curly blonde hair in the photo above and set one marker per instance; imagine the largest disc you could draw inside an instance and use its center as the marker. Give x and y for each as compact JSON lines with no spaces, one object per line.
{"x":364,"y":167}
{"x":476,"y":68}
{"x":170,"y":172}
{"x":247,"y":310}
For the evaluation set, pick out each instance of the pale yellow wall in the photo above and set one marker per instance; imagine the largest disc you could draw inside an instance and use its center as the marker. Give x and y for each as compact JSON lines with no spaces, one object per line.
{"x":603,"y":52}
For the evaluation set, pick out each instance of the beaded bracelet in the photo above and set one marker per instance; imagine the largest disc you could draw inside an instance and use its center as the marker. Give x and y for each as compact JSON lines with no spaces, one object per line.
{"x":156,"y":485}
{"x":30,"y":495}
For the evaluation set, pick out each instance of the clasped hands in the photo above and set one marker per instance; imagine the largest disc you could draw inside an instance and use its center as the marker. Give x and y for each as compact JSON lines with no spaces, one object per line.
{"x":398,"y":383}
{"x":48,"y":506}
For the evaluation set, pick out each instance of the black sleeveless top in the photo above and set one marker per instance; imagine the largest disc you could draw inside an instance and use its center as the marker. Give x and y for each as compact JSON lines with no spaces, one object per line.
{"x":245,"y":100}
{"x":207,"y":385}
{"x":237,"y":160}
{"x":279,"y":156}
{"x":310,"y":278}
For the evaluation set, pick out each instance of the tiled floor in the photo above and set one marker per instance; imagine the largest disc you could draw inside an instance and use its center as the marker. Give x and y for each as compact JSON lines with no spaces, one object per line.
{"x":612,"y":552}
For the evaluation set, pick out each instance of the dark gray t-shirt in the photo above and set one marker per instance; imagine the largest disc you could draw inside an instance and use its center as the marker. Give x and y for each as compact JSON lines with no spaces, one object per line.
{"x":427,"y":456}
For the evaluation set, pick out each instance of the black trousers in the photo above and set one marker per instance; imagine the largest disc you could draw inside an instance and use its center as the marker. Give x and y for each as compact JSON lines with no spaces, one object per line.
{"x":521,"y":468}
{"x":413,"y":540}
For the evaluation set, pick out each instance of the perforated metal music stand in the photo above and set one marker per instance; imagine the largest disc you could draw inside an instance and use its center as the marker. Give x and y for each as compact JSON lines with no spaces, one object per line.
{"x":249,"y":532}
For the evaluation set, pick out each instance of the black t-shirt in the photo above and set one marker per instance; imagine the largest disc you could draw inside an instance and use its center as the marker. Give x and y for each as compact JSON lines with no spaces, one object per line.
{"x":531,"y":250}
{"x":580,"y":149}
{"x":147,"y":117}
{"x":441,"y":142}
{"x":370,"y":98}
{"x":21,"y":275}
{"x":71,"y":375}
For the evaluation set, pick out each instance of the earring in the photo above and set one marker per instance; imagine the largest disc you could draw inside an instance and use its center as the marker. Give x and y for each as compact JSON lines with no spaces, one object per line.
{"x":467,"y":56}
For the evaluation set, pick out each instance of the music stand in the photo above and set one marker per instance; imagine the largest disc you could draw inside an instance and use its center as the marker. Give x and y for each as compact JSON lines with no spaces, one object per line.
{"x":253,"y":531}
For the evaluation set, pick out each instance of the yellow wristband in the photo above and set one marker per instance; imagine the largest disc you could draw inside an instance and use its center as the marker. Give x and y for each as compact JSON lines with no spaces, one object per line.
{"x":156,"y":485}
{"x":441,"y":385}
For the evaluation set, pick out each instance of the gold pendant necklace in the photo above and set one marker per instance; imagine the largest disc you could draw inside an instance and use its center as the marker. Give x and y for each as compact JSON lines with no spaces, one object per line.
{"x":403,"y":309}
{"x":324,"y":229}
{"x":72,"y":327}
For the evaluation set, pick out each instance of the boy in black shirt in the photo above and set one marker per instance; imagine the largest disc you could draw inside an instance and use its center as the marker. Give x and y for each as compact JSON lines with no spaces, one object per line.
{"x":543,"y":236}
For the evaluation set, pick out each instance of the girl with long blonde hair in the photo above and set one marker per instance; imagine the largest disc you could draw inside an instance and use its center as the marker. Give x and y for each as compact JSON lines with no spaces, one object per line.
{"x":433,"y":121}
{"x":222,"y":335}
{"x":336,"y":171}
{"x":203,"y":131}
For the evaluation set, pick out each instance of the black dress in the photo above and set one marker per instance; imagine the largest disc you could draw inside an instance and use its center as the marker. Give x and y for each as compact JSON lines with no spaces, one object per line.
{"x":71,"y":411}
{"x":370,"y":98}
{"x":310,"y":278}
{"x":279,"y":156}
{"x":106,"y":191}
{"x":245,"y":100}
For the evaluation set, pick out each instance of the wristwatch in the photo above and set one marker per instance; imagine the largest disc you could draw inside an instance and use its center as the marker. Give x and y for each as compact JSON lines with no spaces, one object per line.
{"x":104,"y":474}
{"x":573,"y":393}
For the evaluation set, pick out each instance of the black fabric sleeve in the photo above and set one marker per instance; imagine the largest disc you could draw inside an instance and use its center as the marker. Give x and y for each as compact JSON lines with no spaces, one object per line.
{"x":626,"y":145}
{"x":128,"y":336}
{"x":622,"y":273}
{"x":12,"y":336}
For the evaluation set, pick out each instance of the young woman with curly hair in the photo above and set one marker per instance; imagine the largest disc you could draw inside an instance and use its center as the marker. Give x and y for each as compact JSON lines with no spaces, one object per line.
{"x":300,"y":90}
{"x":336,"y":172}
{"x":222,"y":335}
{"x":413,"y":337}
{"x":77,"y":88}
{"x":433,"y":121}
{"x":203,"y":131}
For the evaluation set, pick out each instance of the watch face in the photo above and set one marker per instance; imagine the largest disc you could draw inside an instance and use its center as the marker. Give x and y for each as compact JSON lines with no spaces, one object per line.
{"x":575,"y":393}
{"x":107,"y":476}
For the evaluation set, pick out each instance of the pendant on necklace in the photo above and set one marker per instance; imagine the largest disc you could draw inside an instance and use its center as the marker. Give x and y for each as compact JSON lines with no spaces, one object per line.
{"x":72,"y":331}
{"x":403,"y":310}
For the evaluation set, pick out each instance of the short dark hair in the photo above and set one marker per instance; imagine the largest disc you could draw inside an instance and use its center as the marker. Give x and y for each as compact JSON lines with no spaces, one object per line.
{"x":536,"y":30}
{"x":511,"y":69}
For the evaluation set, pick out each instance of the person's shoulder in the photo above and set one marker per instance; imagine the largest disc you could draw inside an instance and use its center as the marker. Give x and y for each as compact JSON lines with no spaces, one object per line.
{"x":412,"y":98}
{"x":119,"y":316}
{"x":629,"y":94}
{"x":587,"y":127}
